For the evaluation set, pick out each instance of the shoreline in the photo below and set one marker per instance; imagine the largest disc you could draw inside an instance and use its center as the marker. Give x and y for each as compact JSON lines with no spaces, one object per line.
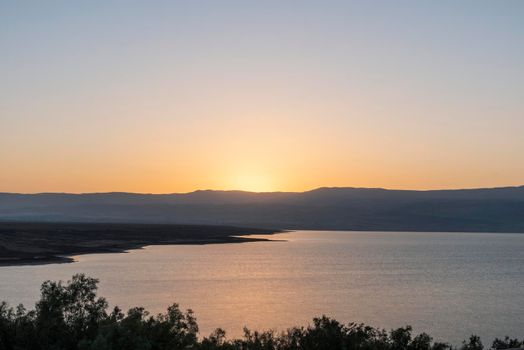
{"x":23,"y":244}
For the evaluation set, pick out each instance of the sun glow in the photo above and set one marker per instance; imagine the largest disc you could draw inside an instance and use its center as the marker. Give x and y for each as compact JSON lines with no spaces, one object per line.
{"x":252,"y":182}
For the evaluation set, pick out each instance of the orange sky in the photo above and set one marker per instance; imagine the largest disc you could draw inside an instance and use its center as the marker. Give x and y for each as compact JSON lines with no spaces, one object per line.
{"x":262,"y":97}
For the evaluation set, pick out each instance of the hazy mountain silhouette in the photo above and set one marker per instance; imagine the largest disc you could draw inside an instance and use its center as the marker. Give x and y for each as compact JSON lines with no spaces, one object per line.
{"x":495,"y":209}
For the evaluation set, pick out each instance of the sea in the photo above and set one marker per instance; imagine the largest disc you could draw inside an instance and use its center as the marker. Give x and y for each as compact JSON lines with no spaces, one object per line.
{"x":449,"y":285}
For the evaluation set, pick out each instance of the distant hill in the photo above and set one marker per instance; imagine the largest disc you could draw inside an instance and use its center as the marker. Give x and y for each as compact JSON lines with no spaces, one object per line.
{"x":493,"y":209}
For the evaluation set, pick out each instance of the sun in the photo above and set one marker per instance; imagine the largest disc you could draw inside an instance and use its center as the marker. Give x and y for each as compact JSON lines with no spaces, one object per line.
{"x":252,"y":183}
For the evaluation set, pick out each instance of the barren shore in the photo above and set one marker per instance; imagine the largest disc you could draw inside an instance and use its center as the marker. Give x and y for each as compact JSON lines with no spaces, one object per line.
{"x":47,"y":243}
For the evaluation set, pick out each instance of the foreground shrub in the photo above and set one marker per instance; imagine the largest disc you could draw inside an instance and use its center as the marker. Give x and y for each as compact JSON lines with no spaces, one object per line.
{"x":70,"y":316}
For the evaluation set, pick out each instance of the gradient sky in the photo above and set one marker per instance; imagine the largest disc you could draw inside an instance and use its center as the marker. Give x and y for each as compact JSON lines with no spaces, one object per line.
{"x":173,"y":96}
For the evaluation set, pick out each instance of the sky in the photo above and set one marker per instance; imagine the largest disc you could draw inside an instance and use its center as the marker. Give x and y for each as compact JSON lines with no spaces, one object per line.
{"x":175,"y":96}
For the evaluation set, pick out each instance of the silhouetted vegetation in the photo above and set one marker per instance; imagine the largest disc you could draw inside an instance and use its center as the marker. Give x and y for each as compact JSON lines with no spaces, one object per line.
{"x":72,"y":316}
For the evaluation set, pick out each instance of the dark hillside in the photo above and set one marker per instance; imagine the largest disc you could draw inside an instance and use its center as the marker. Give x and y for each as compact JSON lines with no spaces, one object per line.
{"x":495,"y":210}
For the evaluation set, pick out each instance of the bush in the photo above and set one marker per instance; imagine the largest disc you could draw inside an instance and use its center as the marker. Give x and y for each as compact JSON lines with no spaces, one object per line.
{"x":70,"y":316}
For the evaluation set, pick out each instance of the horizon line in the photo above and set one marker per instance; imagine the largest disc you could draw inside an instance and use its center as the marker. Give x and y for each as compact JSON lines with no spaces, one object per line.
{"x":263,"y":192}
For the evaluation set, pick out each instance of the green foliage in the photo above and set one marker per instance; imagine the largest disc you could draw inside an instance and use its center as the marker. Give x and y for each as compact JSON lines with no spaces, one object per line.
{"x":473,"y":344}
{"x":507,"y":343}
{"x":70,"y":316}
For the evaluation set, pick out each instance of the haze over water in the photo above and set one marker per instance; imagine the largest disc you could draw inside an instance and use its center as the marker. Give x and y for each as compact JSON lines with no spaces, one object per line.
{"x":447,"y":284}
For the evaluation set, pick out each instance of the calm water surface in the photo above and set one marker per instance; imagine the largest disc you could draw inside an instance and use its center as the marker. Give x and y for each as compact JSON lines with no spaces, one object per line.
{"x":447,"y":284}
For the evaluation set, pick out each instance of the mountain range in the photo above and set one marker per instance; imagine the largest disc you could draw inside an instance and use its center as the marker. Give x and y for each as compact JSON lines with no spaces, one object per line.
{"x":369,"y":209}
